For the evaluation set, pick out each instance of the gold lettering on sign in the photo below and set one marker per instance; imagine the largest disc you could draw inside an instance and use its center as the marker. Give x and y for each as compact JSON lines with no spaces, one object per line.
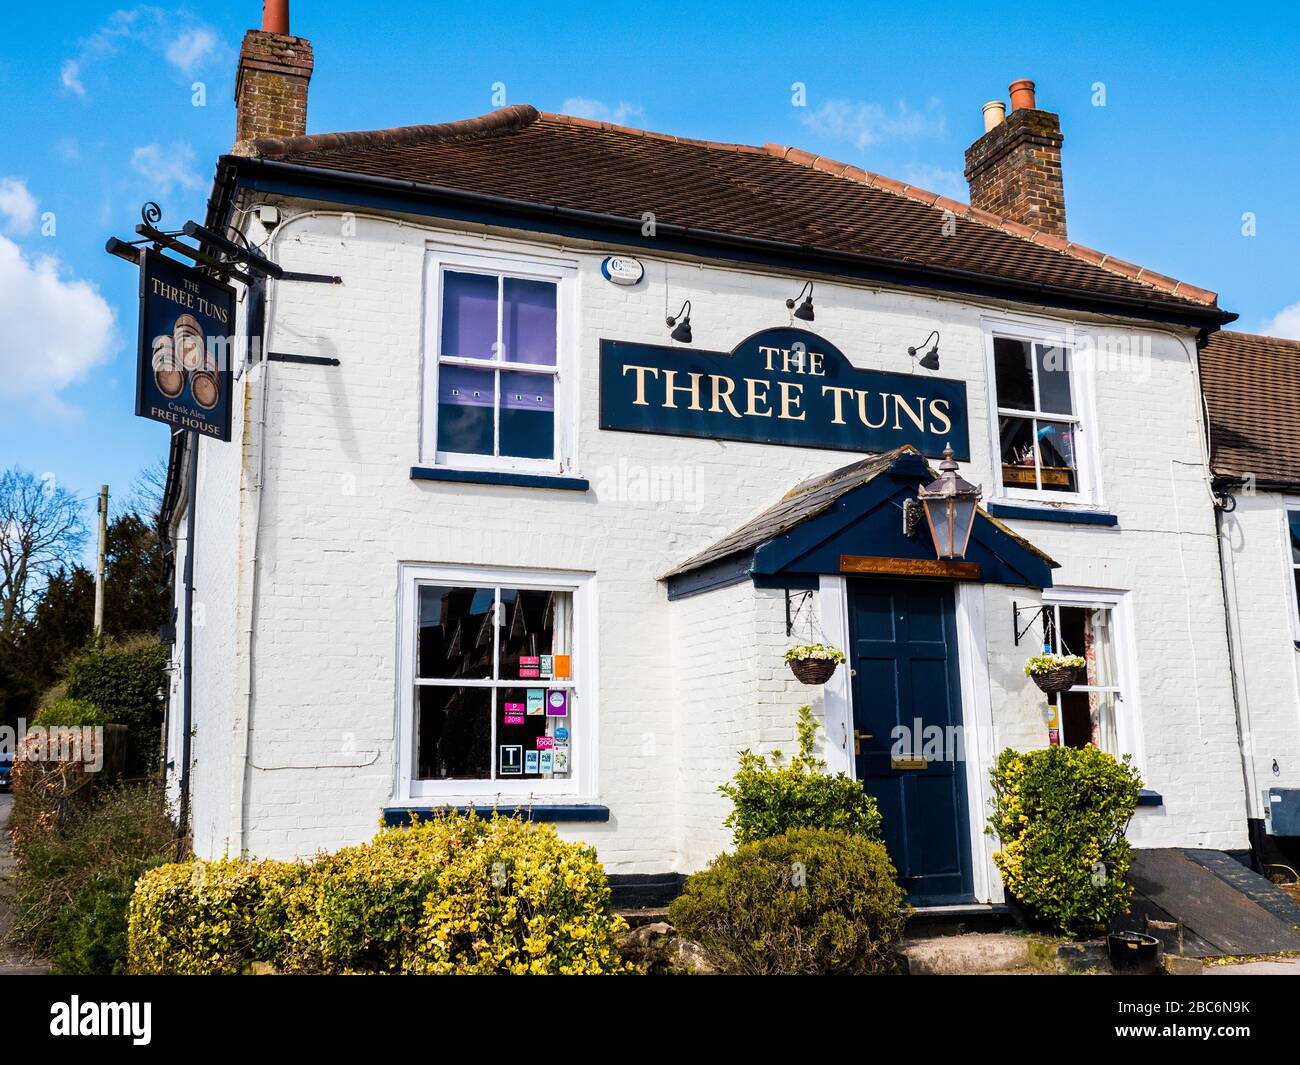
{"x":946,"y":428}
{"x":917,"y":417}
{"x":791,"y":397}
{"x":862,"y":410}
{"x":670,"y":386}
{"x":723,"y":387}
{"x":837,"y":392}
{"x":753,"y":385}
{"x":641,"y":372}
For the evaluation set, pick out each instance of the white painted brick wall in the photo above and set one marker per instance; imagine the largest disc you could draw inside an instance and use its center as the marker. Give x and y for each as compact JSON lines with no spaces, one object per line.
{"x":685,"y":685}
{"x":1258,"y":561}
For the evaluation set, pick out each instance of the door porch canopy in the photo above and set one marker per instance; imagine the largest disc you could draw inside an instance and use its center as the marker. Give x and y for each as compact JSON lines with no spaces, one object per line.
{"x":851,"y":521}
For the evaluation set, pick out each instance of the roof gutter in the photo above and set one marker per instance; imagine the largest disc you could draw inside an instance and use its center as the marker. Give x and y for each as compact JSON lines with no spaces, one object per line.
{"x":231,"y":169}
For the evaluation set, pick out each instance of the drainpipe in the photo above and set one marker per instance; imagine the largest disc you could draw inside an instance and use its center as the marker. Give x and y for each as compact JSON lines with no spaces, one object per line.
{"x":187,"y":649}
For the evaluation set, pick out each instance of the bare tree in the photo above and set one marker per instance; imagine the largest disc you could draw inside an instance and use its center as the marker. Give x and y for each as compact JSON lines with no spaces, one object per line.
{"x":41,"y":530}
{"x":148,"y":488}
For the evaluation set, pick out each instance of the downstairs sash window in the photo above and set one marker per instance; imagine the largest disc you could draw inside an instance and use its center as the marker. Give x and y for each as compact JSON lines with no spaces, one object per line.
{"x":494,"y":703}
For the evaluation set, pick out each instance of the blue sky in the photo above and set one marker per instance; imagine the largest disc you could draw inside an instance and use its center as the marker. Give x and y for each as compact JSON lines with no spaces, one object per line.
{"x":1197,"y":130}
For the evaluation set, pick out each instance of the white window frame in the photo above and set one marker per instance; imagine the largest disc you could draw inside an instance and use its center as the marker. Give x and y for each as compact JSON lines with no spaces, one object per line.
{"x":1081,"y":402}
{"x":533,"y":267}
{"x":580,"y":784}
{"x":1128,"y":711}
{"x":1291,"y":505}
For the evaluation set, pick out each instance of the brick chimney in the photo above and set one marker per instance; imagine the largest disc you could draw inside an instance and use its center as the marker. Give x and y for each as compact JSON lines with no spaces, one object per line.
{"x":271,"y":86}
{"x":1014,"y":170}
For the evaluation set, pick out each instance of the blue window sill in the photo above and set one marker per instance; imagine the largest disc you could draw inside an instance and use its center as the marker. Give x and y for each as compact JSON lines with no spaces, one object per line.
{"x":401,"y":815}
{"x":1147,"y":797}
{"x":500,"y":477}
{"x":1072,"y":517}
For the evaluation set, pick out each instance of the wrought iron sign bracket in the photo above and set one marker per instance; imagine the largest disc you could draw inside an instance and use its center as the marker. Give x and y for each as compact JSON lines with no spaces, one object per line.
{"x":800,"y":599}
{"x":1043,"y":612}
{"x":225,"y":258}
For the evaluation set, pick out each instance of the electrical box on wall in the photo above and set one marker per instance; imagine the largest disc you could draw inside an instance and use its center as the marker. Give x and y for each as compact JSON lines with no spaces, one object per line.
{"x":1283,"y":818}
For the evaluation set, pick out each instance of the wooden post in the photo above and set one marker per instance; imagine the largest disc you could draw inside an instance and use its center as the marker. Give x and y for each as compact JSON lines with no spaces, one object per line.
{"x":99,"y":559}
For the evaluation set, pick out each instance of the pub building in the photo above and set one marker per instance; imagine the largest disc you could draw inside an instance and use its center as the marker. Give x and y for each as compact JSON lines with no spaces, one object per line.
{"x":524,"y":512}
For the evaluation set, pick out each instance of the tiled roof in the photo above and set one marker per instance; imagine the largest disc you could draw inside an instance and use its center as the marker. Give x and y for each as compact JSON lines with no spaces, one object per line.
{"x":808,"y":499}
{"x":772,"y":193}
{"x":1252,"y":390}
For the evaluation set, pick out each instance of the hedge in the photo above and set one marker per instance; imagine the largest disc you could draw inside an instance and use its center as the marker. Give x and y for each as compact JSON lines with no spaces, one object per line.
{"x":126,"y":681}
{"x":450,"y":894}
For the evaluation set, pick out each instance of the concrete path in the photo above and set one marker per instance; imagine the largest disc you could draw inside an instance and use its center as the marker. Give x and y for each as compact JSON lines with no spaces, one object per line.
{"x":1281,"y":967}
{"x":12,"y":962}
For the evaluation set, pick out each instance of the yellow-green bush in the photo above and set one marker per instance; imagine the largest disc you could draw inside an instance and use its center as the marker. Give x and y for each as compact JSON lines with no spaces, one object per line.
{"x":518,"y":899}
{"x":448,"y":895}
{"x":202,"y":918}
{"x":1061,"y":814}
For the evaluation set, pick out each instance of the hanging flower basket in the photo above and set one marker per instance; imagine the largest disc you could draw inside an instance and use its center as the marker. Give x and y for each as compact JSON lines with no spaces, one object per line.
{"x":813,"y":663}
{"x":1055,"y":673}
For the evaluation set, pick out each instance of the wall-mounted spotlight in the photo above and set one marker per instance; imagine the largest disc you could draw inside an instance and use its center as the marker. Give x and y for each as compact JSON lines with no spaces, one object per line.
{"x":682,"y":322}
{"x":930,"y":360}
{"x":805,"y":311}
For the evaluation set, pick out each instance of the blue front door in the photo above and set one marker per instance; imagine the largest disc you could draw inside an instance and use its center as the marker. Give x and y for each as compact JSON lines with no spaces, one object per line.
{"x":903,"y":637}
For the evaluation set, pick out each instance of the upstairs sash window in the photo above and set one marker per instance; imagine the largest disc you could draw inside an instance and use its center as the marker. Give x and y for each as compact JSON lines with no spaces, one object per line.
{"x":498,"y":365}
{"x":1038,"y":422}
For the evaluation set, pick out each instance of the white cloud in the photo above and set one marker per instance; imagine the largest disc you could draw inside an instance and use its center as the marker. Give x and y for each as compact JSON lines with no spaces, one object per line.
{"x":17,"y":205}
{"x":167,"y":167}
{"x":52,"y":330}
{"x":186,"y":43}
{"x":70,"y":77}
{"x":191,"y":49}
{"x":621,"y":114}
{"x":940,"y":179}
{"x":1285,"y":324}
{"x":863,"y":124}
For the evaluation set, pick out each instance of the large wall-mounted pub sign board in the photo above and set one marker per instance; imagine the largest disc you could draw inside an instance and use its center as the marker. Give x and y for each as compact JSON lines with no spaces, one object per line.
{"x":183,"y":368}
{"x":781,"y":386}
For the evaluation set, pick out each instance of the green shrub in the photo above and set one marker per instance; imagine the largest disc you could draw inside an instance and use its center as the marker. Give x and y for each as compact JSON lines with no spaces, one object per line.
{"x":518,"y":899}
{"x":126,"y":681}
{"x":448,"y":895}
{"x":770,"y":798}
{"x":71,"y":888}
{"x":69,"y":713}
{"x":810,"y":901}
{"x":209,"y":918}
{"x":1061,"y":814}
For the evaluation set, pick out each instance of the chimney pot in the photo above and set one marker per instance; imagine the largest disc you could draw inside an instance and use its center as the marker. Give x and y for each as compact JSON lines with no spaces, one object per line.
{"x":1014,"y":169}
{"x":275,"y":16}
{"x":271,"y":82}
{"x":1022,"y":95}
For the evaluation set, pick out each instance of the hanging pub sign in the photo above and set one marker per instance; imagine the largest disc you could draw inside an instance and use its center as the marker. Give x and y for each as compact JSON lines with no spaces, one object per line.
{"x":183,"y":367}
{"x":781,"y":386}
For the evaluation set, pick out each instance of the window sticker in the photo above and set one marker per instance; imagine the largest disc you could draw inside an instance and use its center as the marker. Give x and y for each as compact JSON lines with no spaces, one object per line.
{"x":561,"y":667}
{"x":536,"y":702}
{"x":531,"y":762}
{"x":514,"y":713}
{"x":547,"y":666}
{"x":511,"y":763}
{"x":545,"y":743}
{"x":529,"y":666}
{"x":546,"y":761}
{"x":560,"y":759}
{"x":557,"y":703}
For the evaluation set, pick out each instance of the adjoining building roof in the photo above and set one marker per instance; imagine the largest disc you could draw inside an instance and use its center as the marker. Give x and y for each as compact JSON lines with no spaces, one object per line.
{"x":815,"y":496}
{"x":1252,"y":392}
{"x":771,"y":193}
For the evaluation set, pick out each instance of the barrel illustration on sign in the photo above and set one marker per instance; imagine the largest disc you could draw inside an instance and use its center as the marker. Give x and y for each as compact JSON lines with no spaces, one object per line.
{"x":183,"y":368}
{"x":779,"y":386}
